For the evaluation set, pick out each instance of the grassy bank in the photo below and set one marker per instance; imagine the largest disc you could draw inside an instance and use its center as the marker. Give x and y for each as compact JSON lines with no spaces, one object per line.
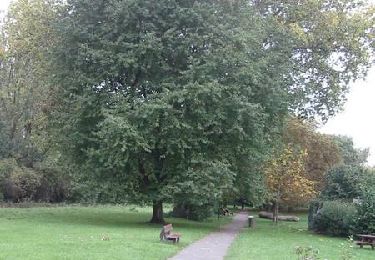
{"x":278,"y":242}
{"x":106,"y":232}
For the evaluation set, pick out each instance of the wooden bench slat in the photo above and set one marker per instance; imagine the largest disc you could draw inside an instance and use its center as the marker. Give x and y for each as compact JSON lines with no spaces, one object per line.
{"x":166,"y":234}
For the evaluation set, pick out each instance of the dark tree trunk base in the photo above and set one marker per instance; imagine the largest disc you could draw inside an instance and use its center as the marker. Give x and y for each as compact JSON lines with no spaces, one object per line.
{"x":157,"y":213}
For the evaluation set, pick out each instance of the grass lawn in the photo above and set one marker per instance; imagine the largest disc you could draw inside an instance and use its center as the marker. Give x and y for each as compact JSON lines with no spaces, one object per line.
{"x":270,"y":242}
{"x":106,"y":232}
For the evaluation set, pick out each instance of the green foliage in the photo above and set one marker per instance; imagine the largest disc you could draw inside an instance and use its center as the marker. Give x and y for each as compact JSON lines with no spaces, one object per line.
{"x":350,"y":155}
{"x":194,"y":211}
{"x":365,"y":221}
{"x":152,"y":100}
{"x":151,"y":90}
{"x":26,"y":94}
{"x":352,"y":180}
{"x":307,"y":253}
{"x":55,"y":185}
{"x":347,"y":249}
{"x":344,"y":182}
{"x":22,"y":184}
{"x":144,"y":91}
{"x":19,"y":183}
{"x":328,"y":50}
{"x":335,"y":218}
{"x":200,"y":195}
{"x":94,"y":192}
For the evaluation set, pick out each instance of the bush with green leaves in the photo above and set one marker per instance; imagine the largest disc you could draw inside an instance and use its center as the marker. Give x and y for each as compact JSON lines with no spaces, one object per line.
{"x":54,"y":186}
{"x":343,"y":218}
{"x":198,"y":197}
{"x":194,"y":211}
{"x":19,"y":183}
{"x":334,"y":218}
{"x":365,"y":221}
{"x":343,"y":182}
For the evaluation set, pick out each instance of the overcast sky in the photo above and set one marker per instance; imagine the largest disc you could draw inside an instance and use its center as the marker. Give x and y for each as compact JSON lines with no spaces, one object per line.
{"x":356,"y":118}
{"x":4,"y":4}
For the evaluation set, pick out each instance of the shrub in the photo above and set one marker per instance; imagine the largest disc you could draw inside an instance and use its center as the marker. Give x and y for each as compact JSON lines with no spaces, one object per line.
{"x":23,"y":184}
{"x":334,"y":218}
{"x":54,"y":186}
{"x":365,"y":221}
{"x":18,"y":183}
{"x":193,"y":212}
{"x":343,"y":182}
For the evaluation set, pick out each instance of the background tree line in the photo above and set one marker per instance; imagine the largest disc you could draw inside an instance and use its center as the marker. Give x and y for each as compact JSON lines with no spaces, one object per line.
{"x":185,"y":102}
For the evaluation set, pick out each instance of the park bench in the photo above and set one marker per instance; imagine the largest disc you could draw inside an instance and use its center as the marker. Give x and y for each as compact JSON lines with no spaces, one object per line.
{"x":225,"y":212}
{"x":167,"y":235}
{"x":366,"y":240}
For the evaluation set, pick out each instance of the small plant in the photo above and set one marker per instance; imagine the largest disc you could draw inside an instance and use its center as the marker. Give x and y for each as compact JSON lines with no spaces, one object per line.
{"x":307,"y":253}
{"x":105,"y":237}
{"x":346,"y":252}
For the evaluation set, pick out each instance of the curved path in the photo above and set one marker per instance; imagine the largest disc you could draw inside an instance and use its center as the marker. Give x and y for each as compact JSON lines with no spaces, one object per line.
{"x":215,"y":245}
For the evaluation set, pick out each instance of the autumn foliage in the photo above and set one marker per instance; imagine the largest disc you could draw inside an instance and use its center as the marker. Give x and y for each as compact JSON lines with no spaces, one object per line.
{"x":286,"y":179}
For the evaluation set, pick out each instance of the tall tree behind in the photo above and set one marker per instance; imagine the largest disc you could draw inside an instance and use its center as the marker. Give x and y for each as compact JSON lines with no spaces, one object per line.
{"x":332,"y":43}
{"x":323,"y":153}
{"x":25,"y":93}
{"x":287,"y":181}
{"x":345,"y":180}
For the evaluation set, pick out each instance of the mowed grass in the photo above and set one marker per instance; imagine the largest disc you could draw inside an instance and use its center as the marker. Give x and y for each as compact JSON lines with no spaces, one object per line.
{"x":277,"y":242}
{"x":106,"y":232}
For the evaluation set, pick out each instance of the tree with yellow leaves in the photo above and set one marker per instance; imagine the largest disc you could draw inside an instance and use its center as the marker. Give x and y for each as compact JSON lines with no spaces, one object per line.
{"x":286,"y":179}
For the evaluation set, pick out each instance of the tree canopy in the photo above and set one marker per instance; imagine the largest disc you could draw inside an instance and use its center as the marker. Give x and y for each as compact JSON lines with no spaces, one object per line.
{"x":167,"y":97}
{"x":332,"y":44}
{"x":172,"y":98}
{"x":168,"y":100}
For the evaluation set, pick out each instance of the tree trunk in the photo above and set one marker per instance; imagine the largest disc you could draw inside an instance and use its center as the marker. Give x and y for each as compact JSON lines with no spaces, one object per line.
{"x":157,"y":212}
{"x":275,"y":211}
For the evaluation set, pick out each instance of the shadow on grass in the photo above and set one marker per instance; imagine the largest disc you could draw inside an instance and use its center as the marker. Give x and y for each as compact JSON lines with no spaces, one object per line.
{"x":109,"y":218}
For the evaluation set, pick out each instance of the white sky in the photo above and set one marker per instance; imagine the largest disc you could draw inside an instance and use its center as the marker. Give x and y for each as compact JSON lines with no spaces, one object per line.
{"x":356,"y":118}
{"x":4,"y":4}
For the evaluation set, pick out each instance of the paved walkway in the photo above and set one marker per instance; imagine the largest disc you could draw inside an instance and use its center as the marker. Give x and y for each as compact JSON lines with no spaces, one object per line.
{"x":215,"y":245}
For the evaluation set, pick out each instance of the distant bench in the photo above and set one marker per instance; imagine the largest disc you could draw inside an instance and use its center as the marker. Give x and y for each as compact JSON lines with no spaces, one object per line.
{"x":366,"y":240}
{"x":167,"y":235}
{"x":225,"y":212}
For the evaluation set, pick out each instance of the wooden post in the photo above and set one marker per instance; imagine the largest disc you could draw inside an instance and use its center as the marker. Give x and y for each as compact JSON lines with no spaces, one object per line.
{"x":251,"y":221}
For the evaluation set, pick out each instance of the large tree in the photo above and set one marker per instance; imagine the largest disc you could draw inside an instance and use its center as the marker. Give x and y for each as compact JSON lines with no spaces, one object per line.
{"x":174,"y":99}
{"x":332,"y":45}
{"x":26,"y":39}
{"x":286,"y":179}
{"x":346,"y":179}
{"x":165,"y":97}
{"x":323,"y":153}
